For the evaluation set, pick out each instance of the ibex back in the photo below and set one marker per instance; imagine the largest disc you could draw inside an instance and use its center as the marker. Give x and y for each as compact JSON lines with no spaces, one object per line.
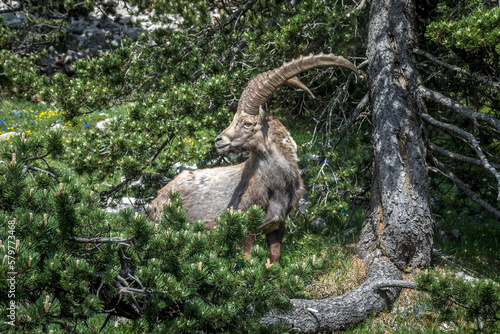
{"x":270,"y":177}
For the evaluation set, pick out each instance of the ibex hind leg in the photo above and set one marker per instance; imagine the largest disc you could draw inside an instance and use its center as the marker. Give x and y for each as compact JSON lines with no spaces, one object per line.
{"x":273,"y":240}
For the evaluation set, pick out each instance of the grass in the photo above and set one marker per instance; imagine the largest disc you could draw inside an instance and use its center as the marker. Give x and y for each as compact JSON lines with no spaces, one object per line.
{"x":35,"y":119}
{"x":474,"y":251}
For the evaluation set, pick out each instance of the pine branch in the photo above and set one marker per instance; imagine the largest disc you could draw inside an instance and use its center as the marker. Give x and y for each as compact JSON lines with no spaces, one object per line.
{"x":440,"y":167}
{"x":472,"y":141}
{"x":458,"y":107}
{"x":27,"y":167}
{"x":458,"y":157}
{"x":165,"y":143}
{"x":113,"y":189}
{"x":121,"y":241}
{"x":479,"y":78}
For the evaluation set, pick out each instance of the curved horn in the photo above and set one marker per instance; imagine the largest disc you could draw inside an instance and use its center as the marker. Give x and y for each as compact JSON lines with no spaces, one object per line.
{"x":297,"y":83}
{"x":261,"y":87}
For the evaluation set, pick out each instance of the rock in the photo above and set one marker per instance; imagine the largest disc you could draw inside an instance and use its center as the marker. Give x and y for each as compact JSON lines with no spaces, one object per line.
{"x":319,"y":222}
{"x":56,"y":126}
{"x":182,"y":166}
{"x":119,"y":320}
{"x":8,"y":135}
{"x":302,"y":206}
{"x":129,"y":202}
{"x":309,"y":156}
{"x":133,"y":33}
{"x":13,"y":19}
{"x":95,"y":36}
{"x":455,"y":233}
{"x":76,"y":25}
{"x":117,"y":41}
{"x":101,"y":125}
{"x":466,"y":277}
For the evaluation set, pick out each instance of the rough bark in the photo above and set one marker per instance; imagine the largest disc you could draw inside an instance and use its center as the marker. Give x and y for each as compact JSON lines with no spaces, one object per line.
{"x":398,"y":228}
{"x":340,"y":312}
{"x":399,"y":222}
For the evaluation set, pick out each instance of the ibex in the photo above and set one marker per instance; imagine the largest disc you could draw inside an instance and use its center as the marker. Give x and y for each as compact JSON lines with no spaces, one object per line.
{"x":270,"y":177}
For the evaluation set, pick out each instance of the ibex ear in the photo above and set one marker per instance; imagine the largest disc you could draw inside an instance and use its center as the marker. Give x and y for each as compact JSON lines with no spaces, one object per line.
{"x":262,"y":115}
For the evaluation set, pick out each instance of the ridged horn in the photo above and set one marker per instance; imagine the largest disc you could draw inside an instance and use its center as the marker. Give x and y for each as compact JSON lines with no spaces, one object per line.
{"x":297,"y":83}
{"x":261,"y":87}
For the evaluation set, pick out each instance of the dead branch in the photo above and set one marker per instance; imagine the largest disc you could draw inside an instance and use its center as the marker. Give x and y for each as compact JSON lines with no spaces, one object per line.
{"x":340,"y":312}
{"x":361,"y":5}
{"x":458,"y":157}
{"x":100,"y":240}
{"x":236,"y":14}
{"x":458,"y":107}
{"x":441,"y":168}
{"x":27,"y":167}
{"x":471,"y":140}
{"x":479,"y":78}
{"x":352,"y":117}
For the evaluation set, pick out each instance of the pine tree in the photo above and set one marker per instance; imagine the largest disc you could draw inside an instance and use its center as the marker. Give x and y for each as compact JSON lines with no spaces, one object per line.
{"x":71,"y":261}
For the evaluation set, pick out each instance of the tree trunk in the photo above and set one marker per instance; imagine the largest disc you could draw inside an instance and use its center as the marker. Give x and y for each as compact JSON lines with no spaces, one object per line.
{"x":398,"y":224}
{"x":398,"y":228}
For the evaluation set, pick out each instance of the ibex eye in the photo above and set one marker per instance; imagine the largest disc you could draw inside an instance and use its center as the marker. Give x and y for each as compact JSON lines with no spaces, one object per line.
{"x":247,"y":124}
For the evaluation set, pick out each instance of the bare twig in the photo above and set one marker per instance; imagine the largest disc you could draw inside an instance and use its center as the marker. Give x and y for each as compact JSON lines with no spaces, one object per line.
{"x":458,"y":107}
{"x":114,"y":188}
{"x":440,"y":167}
{"x":236,"y":14}
{"x":100,"y":240}
{"x":458,"y":157}
{"x":361,"y":5}
{"x":352,"y":117}
{"x":472,"y":141}
{"x":165,"y":143}
{"x":27,"y":167}
{"x":479,"y":78}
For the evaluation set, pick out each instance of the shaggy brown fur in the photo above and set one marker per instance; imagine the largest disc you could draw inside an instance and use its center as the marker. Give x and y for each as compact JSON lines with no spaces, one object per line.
{"x":269,"y":178}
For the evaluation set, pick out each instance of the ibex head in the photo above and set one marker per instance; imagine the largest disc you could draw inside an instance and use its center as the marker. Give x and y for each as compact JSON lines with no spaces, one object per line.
{"x":249,"y":127}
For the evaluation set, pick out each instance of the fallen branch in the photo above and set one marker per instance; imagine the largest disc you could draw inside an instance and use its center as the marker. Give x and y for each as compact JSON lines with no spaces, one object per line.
{"x":479,"y":78}
{"x":458,"y":107}
{"x":472,"y":141}
{"x":339,"y":312}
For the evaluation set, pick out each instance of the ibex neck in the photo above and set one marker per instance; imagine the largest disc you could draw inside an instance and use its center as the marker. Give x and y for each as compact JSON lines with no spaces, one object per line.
{"x":275,"y":158}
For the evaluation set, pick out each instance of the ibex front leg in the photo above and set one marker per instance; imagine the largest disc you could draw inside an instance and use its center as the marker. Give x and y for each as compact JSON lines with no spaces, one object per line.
{"x":273,"y":228}
{"x":273,"y":241}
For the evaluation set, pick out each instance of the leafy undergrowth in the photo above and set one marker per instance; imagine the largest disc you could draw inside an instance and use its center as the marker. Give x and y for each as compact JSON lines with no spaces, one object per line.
{"x":326,"y":225}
